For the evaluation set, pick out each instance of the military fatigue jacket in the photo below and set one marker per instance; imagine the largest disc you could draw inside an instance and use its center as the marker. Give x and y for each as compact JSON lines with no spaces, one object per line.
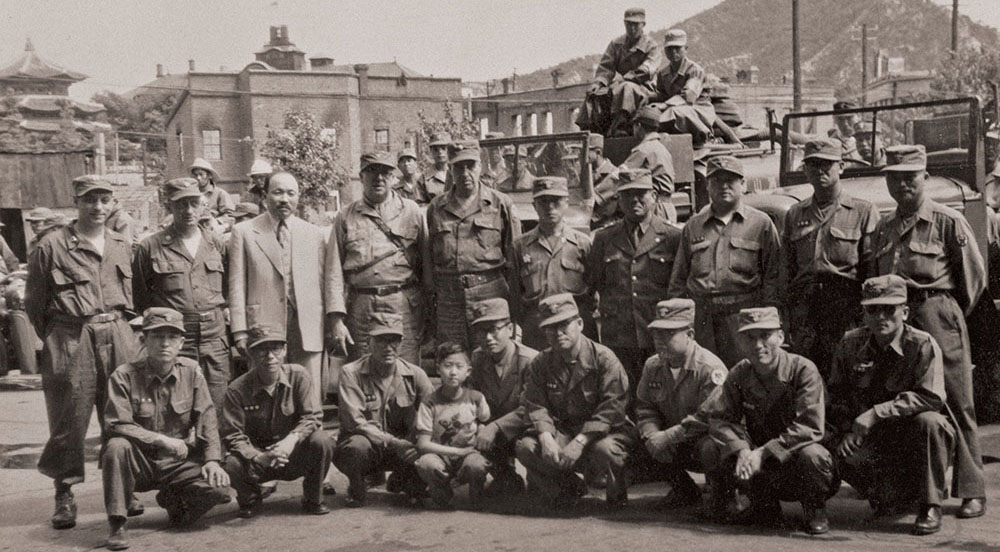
{"x":651,"y":154}
{"x":68,"y":276}
{"x":643,"y":57}
{"x":142,"y":406}
{"x":741,"y":257}
{"x":356,"y":241}
{"x":903,"y":379}
{"x":687,"y":81}
{"x":935,"y":249}
{"x":435,"y":182}
{"x":166,"y":275}
{"x":585,"y":395}
{"x":473,"y":241}
{"x":536,"y":271}
{"x":220,"y":203}
{"x":631,"y":280}
{"x":415,"y":191}
{"x":380,"y":408}
{"x":253,"y":419}
{"x":501,"y":383}
{"x":605,"y":179}
{"x":663,"y":402}
{"x":783,"y":410}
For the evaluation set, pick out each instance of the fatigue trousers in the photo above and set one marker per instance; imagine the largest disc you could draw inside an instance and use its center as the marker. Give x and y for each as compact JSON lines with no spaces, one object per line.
{"x":718,"y":331}
{"x":940,"y":316}
{"x":127,"y":470}
{"x":454,"y":295}
{"x":902,"y":460}
{"x":206,"y":343}
{"x":76,"y":362}
{"x":606,"y":456}
{"x":818,"y":323}
{"x":439,"y":472}
{"x":807,"y":477}
{"x":408,"y":303}
{"x":627,"y":97}
{"x":501,"y":457}
{"x":357,"y":457}
{"x":23,"y":341}
{"x":310,"y":460}
{"x":672,"y":464}
{"x":632,"y":359}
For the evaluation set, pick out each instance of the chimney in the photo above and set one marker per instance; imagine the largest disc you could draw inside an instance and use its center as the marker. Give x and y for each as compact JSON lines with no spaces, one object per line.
{"x":190,"y":66}
{"x":513,"y":82}
{"x":556,"y":73}
{"x":275,"y":33}
{"x":506,"y":85}
{"x":159,"y":70}
{"x":284,"y":33}
{"x":362,"y":70}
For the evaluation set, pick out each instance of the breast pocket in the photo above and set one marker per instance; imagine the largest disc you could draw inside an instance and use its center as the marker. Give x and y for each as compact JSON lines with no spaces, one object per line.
{"x":144,"y":410}
{"x":702,"y":260}
{"x":532,"y":276}
{"x":615,"y":268}
{"x":181,"y":408}
{"x":572,"y":272}
{"x":660,"y":264}
{"x":844,"y":246}
{"x":443,"y":242}
{"x":743,"y":256}
{"x":923,"y":264}
{"x":215,"y":273}
{"x":171,"y":276}
{"x":486,"y":229}
{"x":408,"y":237}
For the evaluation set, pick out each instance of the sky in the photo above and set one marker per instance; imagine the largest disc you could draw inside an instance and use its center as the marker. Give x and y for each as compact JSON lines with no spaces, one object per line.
{"x":119,"y":42}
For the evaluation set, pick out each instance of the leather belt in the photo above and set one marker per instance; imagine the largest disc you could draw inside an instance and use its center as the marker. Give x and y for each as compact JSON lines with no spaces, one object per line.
{"x":382,"y":291}
{"x":472,"y":280}
{"x":101,"y":318}
{"x":195,"y":317}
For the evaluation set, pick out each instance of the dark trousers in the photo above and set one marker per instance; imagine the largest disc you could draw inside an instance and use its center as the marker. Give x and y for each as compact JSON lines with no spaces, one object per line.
{"x":128,"y":470}
{"x":310,"y":460}
{"x":632,"y":359}
{"x":357,"y":458}
{"x":807,"y":477}
{"x":452,"y":301}
{"x":23,"y":341}
{"x":718,"y":331}
{"x":209,"y":346}
{"x":671,"y":465}
{"x":818,"y":324}
{"x":408,"y":303}
{"x":604,"y":456}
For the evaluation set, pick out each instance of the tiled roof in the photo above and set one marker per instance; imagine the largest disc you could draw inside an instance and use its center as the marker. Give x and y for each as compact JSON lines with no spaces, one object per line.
{"x":31,"y":66}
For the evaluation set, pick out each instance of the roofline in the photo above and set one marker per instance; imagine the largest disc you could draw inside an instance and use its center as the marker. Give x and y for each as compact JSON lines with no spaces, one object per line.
{"x":177,"y":107}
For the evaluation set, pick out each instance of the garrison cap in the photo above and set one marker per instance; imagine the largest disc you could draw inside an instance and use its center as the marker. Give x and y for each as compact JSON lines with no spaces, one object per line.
{"x":557,"y":308}
{"x":386,"y":323}
{"x":82,"y":185}
{"x":637,"y":15}
{"x":823,"y":148}
{"x":376,"y":158}
{"x":725,"y":163}
{"x":762,"y":318}
{"x":406,"y":152}
{"x":844,"y":104}
{"x":200,"y":163}
{"x":905,"y":158}
{"x":648,"y":117}
{"x":884,"y":290}
{"x":246,"y":209}
{"x":179,"y":188}
{"x":634,"y":179}
{"x":675,"y":37}
{"x":162,"y":317}
{"x":490,"y":310}
{"x":463,"y":150}
{"x":260,"y":166}
{"x":38,"y":213}
{"x":673,"y":314}
{"x":595,"y":140}
{"x":549,"y":186}
{"x":440,"y":139}
{"x":264,"y":334}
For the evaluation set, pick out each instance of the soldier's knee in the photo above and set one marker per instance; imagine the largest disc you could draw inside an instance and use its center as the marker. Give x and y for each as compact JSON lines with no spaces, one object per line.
{"x":429,"y":464}
{"x":929,"y":422}
{"x":816,"y":457}
{"x":321,"y":441}
{"x":610,"y":451}
{"x":476,"y":464}
{"x":353,"y":449}
{"x":117,"y":448}
{"x":526,"y":447}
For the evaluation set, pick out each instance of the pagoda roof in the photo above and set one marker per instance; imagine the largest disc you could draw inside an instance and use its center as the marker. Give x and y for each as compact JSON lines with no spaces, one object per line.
{"x":32,"y":66}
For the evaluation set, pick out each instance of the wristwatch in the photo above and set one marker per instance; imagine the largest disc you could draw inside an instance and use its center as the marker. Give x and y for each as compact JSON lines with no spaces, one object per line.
{"x":580,"y":439}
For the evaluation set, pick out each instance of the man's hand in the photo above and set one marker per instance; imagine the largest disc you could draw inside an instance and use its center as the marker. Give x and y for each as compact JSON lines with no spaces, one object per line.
{"x":467,"y":451}
{"x":339,"y":337}
{"x":485,"y":437}
{"x":660,"y":441}
{"x":240,"y":342}
{"x":849,"y":445}
{"x":405,"y":450}
{"x":864,"y":422}
{"x":550,"y":449}
{"x":282,"y":450}
{"x":749,"y":463}
{"x":594,"y":87}
{"x":175,"y":447}
{"x":214,"y":474}
{"x":570,"y":454}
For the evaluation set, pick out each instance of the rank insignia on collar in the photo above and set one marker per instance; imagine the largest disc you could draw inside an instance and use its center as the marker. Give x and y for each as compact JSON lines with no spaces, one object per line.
{"x":551,"y":385}
{"x":655,"y":385}
{"x":862,"y":367}
{"x":749,"y":406}
{"x":803,"y":223}
{"x":369,"y":397}
{"x":526,"y":258}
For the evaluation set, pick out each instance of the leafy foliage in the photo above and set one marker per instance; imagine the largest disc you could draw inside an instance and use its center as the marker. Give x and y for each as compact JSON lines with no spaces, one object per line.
{"x":970,"y":71}
{"x":460,"y":128}
{"x":146,"y":116}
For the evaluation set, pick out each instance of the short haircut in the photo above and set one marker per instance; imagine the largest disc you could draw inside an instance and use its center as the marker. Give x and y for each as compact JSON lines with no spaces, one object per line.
{"x":267,"y":181}
{"x":448,"y":348}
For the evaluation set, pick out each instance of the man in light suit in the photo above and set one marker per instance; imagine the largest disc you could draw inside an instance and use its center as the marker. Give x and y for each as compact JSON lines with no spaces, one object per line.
{"x":276,"y":274}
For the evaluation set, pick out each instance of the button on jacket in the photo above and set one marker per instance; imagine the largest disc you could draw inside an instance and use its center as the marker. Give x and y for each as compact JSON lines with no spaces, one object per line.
{"x":166,"y":275}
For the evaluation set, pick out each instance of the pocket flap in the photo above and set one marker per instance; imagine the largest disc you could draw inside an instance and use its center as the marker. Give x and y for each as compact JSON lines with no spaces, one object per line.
{"x":486,"y":221}
{"x":704,"y":244}
{"x":213,"y":265}
{"x":125,"y":270}
{"x":571,"y":264}
{"x":65,"y":277}
{"x":182,"y":405}
{"x":849,"y":234}
{"x":749,"y":245}
{"x":926,"y":248}
{"x":163,"y":266}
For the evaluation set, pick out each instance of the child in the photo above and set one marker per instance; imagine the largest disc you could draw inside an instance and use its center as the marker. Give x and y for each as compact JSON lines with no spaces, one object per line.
{"x":446,"y":427}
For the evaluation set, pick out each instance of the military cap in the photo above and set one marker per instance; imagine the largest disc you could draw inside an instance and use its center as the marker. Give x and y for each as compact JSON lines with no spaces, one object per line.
{"x":82,"y":185}
{"x":463,"y":150}
{"x":377,"y":158}
{"x":162,"y":317}
{"x":490,"y":310}
{"x":634,"y":179}
{"x":549,"y":186}
{"x":200,"y":163}
{"x":648,"y":117}
{"x":246,"y":209}
{"x":823,"y":148}
{"x":440,"y":139}
{"x":905,"y":158}
{"x":386,"y":323}
{"x":726,"y":163}
{"x":179,"y":188}
{"x":38,"y":213}
{"x":595,"y":140}
{"x":673,"y":314}
{"x":884,"y":290}
{"x":260,"y":166}
{"x":493,"y":135}
{"x":675,"y":37}
{"x":844,"y":104}
{"x":761,"y":318}
{"x":637,"y":15}
{"x":264,"y":334}
{"x":557,"y":308}
{"x":406,"y":152}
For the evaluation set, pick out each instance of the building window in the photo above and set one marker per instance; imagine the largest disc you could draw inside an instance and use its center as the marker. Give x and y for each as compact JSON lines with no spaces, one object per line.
{"x":484,"y":127}
{"x":533,"y":124}
{"x":211,"y":144}
{"x":548,"y":122}
{"x":573,"y":115}
{"x":382,"y":139}
{"x":517,"y":123}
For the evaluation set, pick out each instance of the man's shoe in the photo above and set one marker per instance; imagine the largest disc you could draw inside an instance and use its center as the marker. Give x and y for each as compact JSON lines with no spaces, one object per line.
{"x":971,"y":508}
{"x":680,"y":496}
{"x":135,"y":507}
{"x":267,"y":489}
{"x":395,"y":483}
{"x":355,"y":498}
{"x":376,"y":479}
{"x":618,"y":502}
{"x":328,"y":489}
{"x":65,"y":514}
{"x":816,"y":522}
{"x":199,"y":505}
{"x":315,"y":508}
{"x":118,"y":538}
{"x":928,"y":520}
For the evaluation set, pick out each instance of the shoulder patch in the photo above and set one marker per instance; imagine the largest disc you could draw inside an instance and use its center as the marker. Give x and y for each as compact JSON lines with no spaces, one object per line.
{"x":961,"y":238}
{"x":718,"y":376}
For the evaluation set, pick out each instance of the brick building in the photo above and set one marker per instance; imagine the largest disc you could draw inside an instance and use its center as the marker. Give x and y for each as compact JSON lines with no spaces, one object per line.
{"x":225,"y":116}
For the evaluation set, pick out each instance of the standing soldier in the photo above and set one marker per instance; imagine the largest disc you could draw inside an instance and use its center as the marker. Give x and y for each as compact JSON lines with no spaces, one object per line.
{"x":78,"y":289}
{"x":652,"y":155}
{"x":827,"y":254}
{"x":220,"y":204}
{"x":604,"y":175}
{"x":629,"y":267}
{"x":472,"y":228}
{"x":42,"y":220}
{"x":412,"y":185}
{"x":376,"y":261}
{"x":436,"y":177}
{"x":182,"y":267}
{"x":931,"y":246}
{"x":728,"y":260}
{"x":549,"y":259}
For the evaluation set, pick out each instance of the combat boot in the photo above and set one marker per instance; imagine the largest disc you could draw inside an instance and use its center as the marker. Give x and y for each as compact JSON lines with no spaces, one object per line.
{"x":118,"y":538}
{"x":816,"y":522}
{"x":65,"y":514}
{"x":928,"y":520}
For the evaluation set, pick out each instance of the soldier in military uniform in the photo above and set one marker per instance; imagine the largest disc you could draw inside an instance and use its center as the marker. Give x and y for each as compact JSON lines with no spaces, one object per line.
{"x":273,"y":427}
{"x":42,"y":221}
{"x":120,"y":221}
{"x":472,"y":229}
{"x":379,"y":395}
{"x":377,"y":261}
{"x":499,"y":368}
{"x":629,"y":267}
{"x":652,"y":155}
{"x":931,"y":247}
{"x":78,"y":289}
{"x":767,"y":425}
{"x":182,"y":267}
{"x":574,"y":400}
{"x":827,"y":254}
{"x":162,"y":432}
{"x":604,"y":176}
{"x":675,"y":382}
{"x":505,"y":180}
{"x":220,"y":204}
{"x":868,"y":140}
{"x":549,"y":259}
{"x":728,"y":260}
{"x":411,"y":186}
{"x":886,"y":398}
{"x":260,"y":171}
{"x":436,"y":178}
{"x":679,"y":81}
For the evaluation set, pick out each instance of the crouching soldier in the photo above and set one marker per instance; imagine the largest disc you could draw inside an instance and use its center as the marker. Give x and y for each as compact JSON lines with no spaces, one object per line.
{"x":379,"y":394}
{"x":675,"y":382}
{"x":162,"y":431}
{"x":767,"y":425}
{"x":886,"y":395}
{"x":574,"y":399}
{"x":271,"y":424}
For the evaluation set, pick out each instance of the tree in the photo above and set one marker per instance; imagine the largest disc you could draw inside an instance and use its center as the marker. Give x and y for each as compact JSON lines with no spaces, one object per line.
{"x":311,"y":156}
{"x":460,"y":128}
{"x":970,"y":71}
{"x":136,"y":119}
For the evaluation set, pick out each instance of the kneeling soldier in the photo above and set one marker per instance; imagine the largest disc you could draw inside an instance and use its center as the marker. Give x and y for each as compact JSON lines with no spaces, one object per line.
{"x":767,"y":425}
{"x":574,"y":399}
{"x":886,"y":396}
{"x":272,"y":424}
{"x":675,"y":382}
{"x":162,"y":431}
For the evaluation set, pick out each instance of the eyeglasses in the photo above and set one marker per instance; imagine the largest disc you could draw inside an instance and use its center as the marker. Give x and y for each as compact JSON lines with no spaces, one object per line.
{"x":493,"y":330}
{"x":264,"y":352}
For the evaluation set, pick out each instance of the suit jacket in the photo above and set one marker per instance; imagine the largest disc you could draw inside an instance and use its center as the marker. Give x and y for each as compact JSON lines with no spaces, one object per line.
{"x":256,"y":281}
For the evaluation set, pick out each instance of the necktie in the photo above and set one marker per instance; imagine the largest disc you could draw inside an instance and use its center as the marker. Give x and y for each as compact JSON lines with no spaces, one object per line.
{"x":636,"y":235}
{"x":286,"y":259}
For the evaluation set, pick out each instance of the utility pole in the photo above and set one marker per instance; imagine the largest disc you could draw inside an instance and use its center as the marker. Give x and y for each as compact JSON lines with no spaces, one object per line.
{"x":864,"y":64}
{"x":954,"y":26}
{"x":796,"y":61}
